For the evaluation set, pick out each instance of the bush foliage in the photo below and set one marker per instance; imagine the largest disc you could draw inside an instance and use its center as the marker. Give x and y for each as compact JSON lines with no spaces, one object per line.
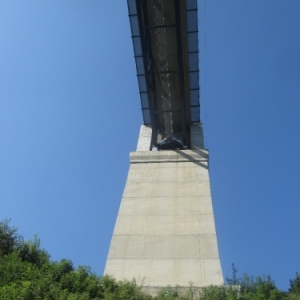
{"x":27,"y":273}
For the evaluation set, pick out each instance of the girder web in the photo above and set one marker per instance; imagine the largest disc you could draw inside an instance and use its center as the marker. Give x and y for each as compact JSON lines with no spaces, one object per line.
{"x":164,"y":74}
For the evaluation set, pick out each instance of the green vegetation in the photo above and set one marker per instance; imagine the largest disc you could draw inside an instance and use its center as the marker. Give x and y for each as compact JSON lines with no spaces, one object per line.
{"x":27,"y":273}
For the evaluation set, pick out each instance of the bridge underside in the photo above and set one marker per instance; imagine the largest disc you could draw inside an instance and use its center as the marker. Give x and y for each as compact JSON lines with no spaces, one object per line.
{"x":165,"y":39}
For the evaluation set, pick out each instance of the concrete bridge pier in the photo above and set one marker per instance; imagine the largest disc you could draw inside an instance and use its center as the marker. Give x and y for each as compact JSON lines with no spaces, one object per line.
{"x":165,"y":231}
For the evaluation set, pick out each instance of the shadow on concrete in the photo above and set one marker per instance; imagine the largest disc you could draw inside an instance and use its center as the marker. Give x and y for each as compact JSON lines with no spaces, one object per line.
{"x":202,"y":152}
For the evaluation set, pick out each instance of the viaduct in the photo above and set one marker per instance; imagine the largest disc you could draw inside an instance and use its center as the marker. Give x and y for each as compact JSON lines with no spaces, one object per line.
{"x":165,"y":230}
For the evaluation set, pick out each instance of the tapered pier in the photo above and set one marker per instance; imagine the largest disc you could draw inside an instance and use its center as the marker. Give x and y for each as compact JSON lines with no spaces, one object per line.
{"x":165,"y":231}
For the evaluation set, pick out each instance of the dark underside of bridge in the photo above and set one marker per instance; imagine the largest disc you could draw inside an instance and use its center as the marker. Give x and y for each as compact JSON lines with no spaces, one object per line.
{"x":165,"y":41}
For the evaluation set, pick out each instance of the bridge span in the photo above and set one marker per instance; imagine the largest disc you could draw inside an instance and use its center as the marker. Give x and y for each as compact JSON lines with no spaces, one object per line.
{"x":165,"y":42}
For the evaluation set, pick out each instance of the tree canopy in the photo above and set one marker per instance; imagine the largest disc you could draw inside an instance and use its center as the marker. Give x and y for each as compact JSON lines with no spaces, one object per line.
{"x":27,"y":273}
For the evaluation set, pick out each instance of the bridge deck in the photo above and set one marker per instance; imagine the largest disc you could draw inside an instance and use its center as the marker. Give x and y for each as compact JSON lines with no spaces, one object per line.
{"x":165,"y":40}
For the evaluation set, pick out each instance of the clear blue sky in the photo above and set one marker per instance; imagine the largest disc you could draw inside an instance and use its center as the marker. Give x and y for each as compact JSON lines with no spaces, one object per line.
{"x":70,"y":115}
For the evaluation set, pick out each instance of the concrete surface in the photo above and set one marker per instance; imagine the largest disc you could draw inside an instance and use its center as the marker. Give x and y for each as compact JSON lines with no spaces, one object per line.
{"x":165,"y":231}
